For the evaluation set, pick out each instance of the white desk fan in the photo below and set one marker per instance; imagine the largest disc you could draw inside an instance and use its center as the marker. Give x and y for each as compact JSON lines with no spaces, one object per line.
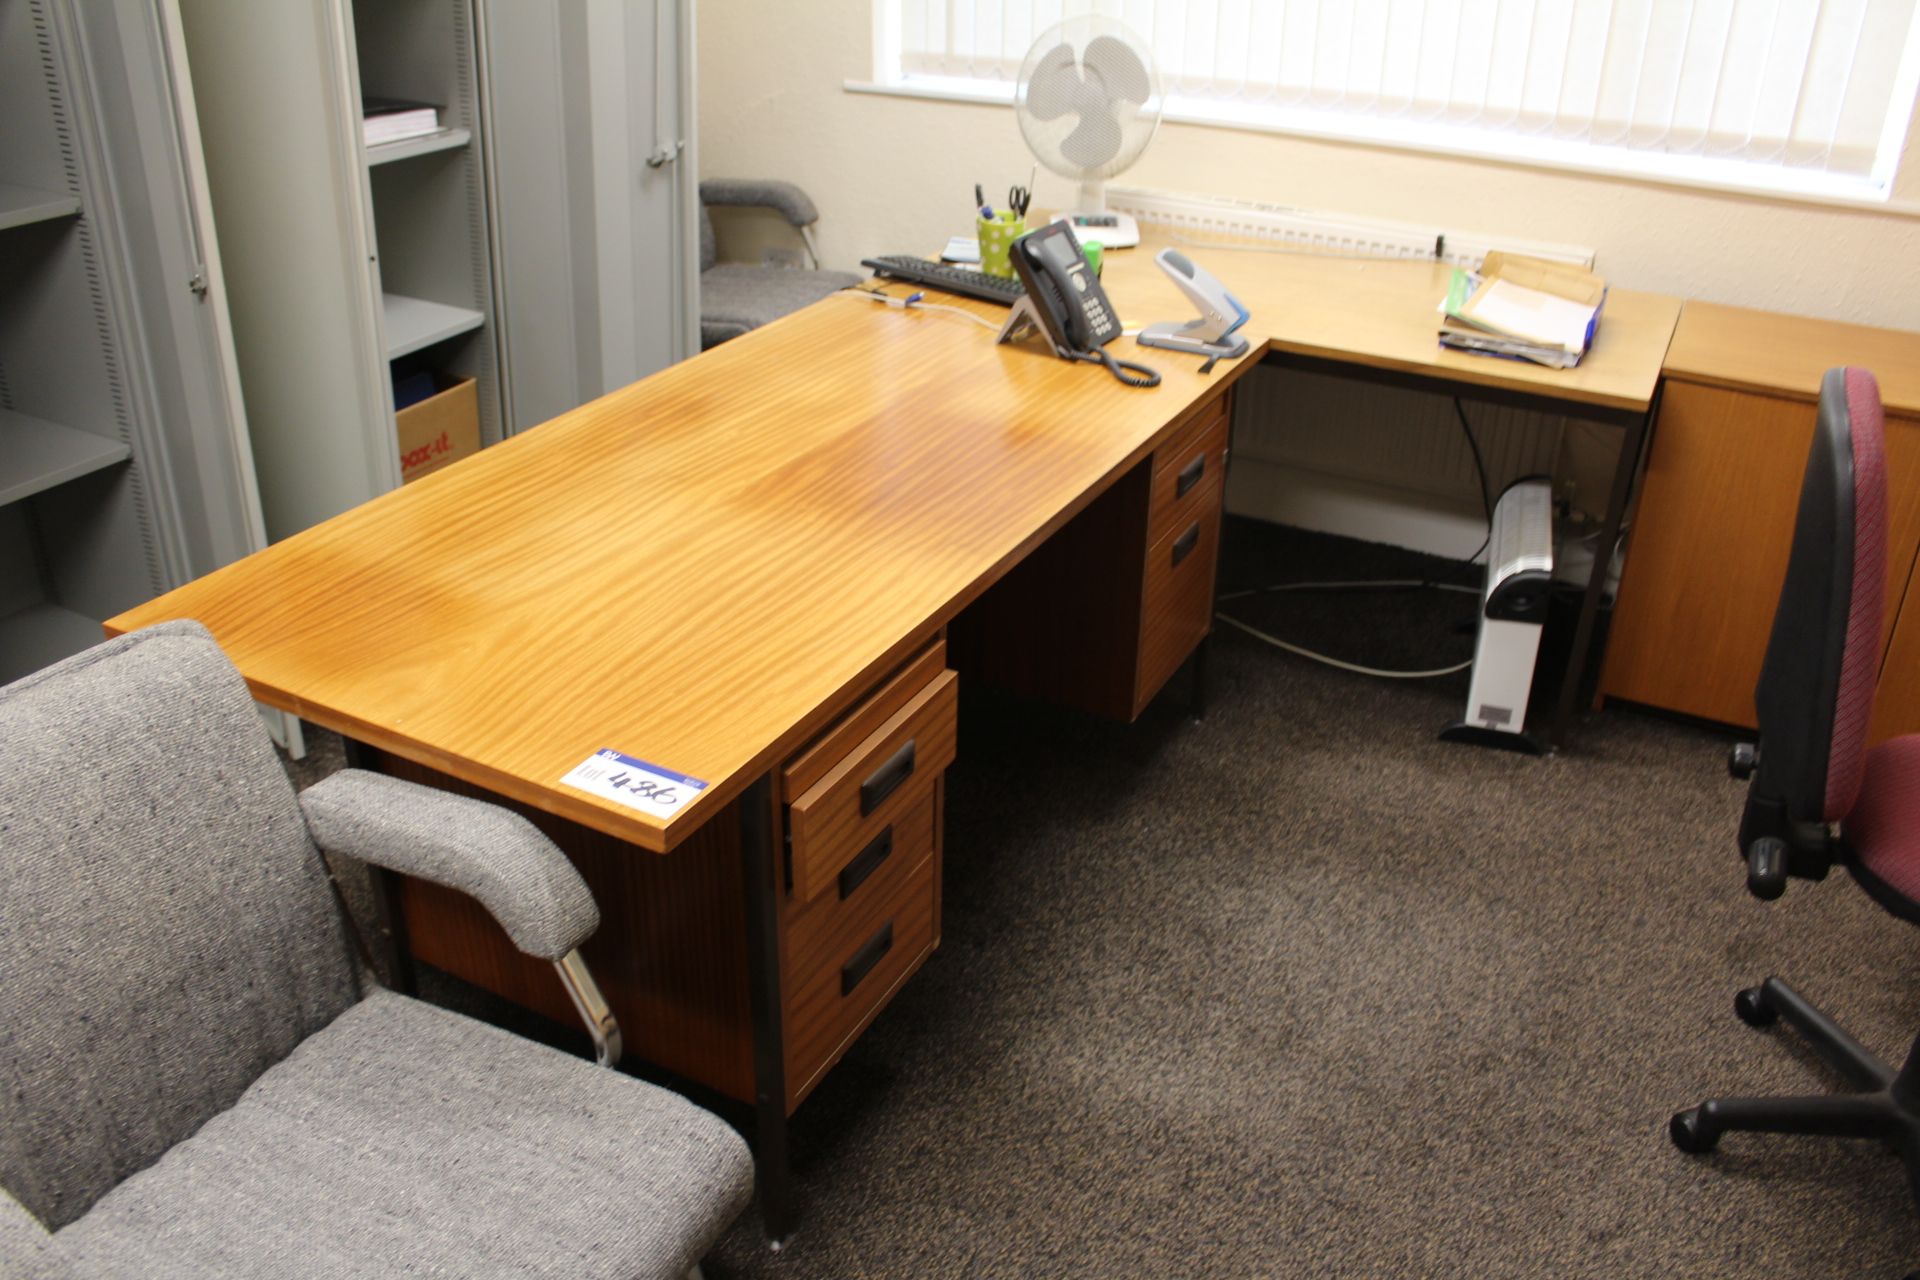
{"x":1088,"y":101}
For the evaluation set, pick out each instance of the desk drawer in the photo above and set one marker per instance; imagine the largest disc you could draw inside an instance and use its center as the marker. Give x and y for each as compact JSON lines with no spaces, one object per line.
{"x":818,"y":758}
{"x":1177,"y":603}
{"x":1183,"y":471}
{"x":877,"y":783}
{"x":845,"y":959}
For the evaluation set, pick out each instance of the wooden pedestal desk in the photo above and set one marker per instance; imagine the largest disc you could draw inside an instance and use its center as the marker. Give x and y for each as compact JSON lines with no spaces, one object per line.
{"x":741,"y":569}
{"x":760,"y":568}
{"x":1710,"y":537}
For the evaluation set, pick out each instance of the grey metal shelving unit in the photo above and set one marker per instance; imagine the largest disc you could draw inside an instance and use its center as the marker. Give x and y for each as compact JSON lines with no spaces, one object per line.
{"x":346,"y":257}
{"x":527,"y":244}
{"x":124,"y":468}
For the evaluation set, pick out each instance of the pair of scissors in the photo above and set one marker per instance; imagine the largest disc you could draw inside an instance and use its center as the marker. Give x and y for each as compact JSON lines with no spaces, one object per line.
{"x":1019,"y":198}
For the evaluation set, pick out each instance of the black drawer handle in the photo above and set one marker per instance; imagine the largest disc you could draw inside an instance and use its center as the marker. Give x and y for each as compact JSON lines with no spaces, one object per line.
{"x":1190,"y":476}
{"x":1184,"y":544}
{"x":886,"y":779}
{"x":865,"y":958}
{"x":865,"y":863}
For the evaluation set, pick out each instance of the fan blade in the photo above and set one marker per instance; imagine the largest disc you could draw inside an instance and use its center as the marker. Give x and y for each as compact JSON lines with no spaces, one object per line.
{"x":1055,"y":82}
{"x":1115,"y":66}
{"x":1096,"y":139}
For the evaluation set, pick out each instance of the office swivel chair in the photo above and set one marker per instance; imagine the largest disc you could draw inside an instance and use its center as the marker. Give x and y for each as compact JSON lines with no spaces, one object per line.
{"x":1816,"y":796}
{"x":201,"y":1081}
{"x":736,"y":297}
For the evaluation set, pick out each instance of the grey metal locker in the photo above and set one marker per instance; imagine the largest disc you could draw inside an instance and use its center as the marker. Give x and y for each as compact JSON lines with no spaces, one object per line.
{"x":503,"y":248}
{"x":593,"y":151}
{"x":124,"y":460}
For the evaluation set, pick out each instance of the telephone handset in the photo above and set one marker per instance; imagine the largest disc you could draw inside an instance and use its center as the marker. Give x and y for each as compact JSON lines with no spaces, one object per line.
{"x":1065,"y":302}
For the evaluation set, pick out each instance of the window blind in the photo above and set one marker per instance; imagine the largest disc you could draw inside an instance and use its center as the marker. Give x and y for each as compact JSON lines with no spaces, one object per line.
{"x":1818,"y":90}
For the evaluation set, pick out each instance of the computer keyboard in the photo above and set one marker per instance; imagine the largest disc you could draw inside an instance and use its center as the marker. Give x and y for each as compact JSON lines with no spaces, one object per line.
{"x":939,"y":275}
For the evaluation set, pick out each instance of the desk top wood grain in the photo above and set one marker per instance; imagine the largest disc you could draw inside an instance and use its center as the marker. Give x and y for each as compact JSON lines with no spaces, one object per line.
{"x":1786,"y":355}
{"x":695,"y":570}
{"x":699,"y":569}
{"x":1385,"y":314}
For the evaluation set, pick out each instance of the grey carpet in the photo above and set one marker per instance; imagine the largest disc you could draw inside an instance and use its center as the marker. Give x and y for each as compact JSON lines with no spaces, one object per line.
{"x":1301,"y":991}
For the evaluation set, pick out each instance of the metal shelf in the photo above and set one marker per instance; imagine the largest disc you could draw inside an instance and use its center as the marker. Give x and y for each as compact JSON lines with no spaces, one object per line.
{"x":36,"y":455}
{"x":43,"y":634}
{"x":425,"y":144}
{"x":413,"y":323}
{"x":20,"y":206}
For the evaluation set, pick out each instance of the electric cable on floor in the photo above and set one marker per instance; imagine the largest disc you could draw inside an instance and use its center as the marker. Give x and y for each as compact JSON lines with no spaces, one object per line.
{"x":1404,"y":584}
{"x":1380,"y":584}
{"x":1278,"y":643}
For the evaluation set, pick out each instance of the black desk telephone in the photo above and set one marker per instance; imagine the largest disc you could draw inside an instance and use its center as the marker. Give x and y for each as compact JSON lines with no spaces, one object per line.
{"x":1065,"y":302}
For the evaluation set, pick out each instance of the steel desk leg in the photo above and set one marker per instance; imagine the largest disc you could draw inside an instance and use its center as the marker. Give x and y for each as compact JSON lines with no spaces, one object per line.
{"x":760,"y":871}
{"x":1578,"y":656}
{"x":1197,"y":702}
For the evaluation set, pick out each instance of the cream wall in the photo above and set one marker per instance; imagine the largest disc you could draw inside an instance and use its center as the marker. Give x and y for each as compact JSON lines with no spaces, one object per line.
{"x":895,"y":175}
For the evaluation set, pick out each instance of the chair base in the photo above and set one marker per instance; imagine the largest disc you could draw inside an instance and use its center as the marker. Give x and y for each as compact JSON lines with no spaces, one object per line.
{"x":1888,"y":1109}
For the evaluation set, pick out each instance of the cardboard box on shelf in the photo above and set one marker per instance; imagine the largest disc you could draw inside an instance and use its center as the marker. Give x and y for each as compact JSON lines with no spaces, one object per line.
{"x":443,"y":428}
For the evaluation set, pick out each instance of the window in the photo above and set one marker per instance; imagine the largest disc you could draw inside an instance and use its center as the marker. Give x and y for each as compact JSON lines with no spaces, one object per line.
{"x":1800,"y":97}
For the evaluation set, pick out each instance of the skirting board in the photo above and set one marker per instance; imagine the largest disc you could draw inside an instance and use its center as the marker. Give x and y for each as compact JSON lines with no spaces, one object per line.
{"x":1352,"y":508}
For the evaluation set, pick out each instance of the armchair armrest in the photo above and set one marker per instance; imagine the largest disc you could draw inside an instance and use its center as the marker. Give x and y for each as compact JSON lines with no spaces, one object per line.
{"x":785,"y":198}
{"x":482,"y":850}
{"x":487,"y":852}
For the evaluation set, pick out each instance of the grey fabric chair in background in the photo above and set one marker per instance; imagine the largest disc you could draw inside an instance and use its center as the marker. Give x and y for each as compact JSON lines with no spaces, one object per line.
{"x":200,"y":1080}
{"x":735,"y":297}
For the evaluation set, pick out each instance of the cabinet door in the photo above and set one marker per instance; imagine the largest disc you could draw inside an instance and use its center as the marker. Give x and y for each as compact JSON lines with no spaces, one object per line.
{"x":1896,"y":706}
{"x":1710,"y":542}
{"x":595,"y":212}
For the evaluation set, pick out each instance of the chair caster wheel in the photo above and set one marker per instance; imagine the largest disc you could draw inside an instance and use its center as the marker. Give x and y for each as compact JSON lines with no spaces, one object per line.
{"x":1752,"y":1007}
{"x":1684,"y":1129}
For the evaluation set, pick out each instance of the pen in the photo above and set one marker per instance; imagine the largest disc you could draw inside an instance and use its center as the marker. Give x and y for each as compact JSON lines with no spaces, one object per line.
{"x":979,"y":197}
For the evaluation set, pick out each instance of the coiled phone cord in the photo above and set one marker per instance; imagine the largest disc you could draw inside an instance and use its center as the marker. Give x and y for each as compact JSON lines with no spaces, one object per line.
{"x":1134,"y":375}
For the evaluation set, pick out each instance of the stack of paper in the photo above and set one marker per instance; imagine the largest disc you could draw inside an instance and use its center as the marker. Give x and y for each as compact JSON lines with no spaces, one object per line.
{"x":391,"y":119}
{"x":1524,"y":309}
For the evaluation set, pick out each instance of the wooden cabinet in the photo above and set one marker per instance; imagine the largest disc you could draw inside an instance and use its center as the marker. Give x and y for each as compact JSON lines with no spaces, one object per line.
{"x":1896,"y":706}
{"x":859,"y":911}
{"x":1101,"y":616}
{"x":1183,"y":531}
{"x":1716,"y":510}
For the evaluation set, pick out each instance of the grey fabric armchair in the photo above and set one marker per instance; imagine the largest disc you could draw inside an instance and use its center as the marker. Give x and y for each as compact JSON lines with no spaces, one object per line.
{"x":201,"y":1080}
{"x":735,"y":297}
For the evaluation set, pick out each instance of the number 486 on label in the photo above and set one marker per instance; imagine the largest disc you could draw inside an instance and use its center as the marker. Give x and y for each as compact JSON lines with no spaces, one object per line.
{"x":634,"y":783}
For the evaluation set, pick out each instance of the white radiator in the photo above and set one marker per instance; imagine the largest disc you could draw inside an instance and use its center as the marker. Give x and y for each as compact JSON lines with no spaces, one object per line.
{"x":1202,"y":218}
{"x":1384,"y":464}
{"x":1390,"y":436}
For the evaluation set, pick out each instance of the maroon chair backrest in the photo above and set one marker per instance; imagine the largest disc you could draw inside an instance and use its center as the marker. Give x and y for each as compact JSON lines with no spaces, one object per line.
{"x":1816,"y":687}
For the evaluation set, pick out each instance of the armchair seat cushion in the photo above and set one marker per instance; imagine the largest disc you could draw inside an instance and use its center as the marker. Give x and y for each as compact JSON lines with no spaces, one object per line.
{"x":404,"y":1139}
{"x":735,"y":298}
